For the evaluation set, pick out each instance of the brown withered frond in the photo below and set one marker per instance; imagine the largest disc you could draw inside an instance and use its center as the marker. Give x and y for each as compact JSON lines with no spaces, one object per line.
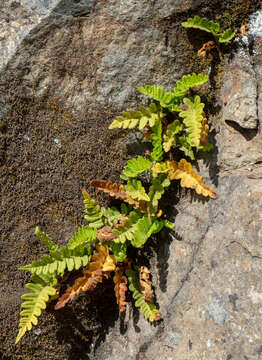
{"x":145,"y":284}
{"x":120,"y":281}
{"x":100,"y":266}
{"x":105,"y":234}
{"x":204,"y":131}
{"x":118,"y":192}
{"x":189,"y":179}
{"x":206,"y":48}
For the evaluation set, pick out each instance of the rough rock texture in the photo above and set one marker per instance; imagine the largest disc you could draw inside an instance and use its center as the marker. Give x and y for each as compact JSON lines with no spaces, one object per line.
{"x":67,"y":68}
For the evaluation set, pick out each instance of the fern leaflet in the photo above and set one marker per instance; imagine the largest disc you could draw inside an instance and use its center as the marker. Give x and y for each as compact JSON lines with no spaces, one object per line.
{"x":92,"y":211}
{"x":157,"y":153}
{"x":185,"y":145}
{"x":118,"y":249}
{"x":58,"y":262}
{"x":135,"y":190}
{"x":126,"y":233}
{"x":85,"y":234}
{"x":135,"y":167}
{"x":130,"y":119}
{"x":157,"y":189}
{"x":166,"y":100}
{"x":203,"y":24}
{"x":34,"y":302}
{"x":183,"y":171}
{"x":170,"y":138}
{"x":192,"y":118}
{"x":187,"y":82}
{"x":226,"y":36}
{"x":111,"y":215}
{"x":209,"y":26}
{"x":44,"y":238}
{"x":148,"y":309}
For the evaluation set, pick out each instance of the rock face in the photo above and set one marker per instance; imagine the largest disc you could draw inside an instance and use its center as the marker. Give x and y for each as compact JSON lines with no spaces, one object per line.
{"x":67,"y":68}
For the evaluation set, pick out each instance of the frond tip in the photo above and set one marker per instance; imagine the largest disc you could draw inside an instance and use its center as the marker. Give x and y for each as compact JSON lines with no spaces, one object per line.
{"x":148,"y":309}
{"x":34,"y":303}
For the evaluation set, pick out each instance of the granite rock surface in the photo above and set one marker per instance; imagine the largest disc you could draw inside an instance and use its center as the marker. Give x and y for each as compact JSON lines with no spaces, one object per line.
{"x":66,"y":69}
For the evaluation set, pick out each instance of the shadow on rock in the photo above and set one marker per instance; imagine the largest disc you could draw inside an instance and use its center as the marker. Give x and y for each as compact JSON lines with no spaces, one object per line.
{"x":85,"y":323}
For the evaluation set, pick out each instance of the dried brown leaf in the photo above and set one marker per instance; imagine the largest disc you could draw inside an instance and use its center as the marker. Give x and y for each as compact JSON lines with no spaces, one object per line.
{"x":100,"y":266}
{"x":105,"y":233}
{"x":145,"y":284}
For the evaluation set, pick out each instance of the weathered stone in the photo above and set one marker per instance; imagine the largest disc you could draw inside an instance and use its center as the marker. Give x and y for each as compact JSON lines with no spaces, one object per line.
{"x":91,"y":55}
{"x":240,"y":137}
{"x":239,"y":92}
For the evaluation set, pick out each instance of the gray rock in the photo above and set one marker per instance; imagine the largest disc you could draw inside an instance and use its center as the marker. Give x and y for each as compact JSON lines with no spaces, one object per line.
{"x":216,"y":311}
{"x":207,"y":279}
{"x":239,"y":137}
{"x":239,"y":92}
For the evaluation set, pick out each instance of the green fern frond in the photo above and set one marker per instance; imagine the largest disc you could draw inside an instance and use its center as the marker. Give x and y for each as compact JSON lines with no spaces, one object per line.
{"x":168,"y":224}
{"x":203,"y":24}
{"x":226,"y":36}
{"x":111,"y":215}
{"x":166,"y":100}
{"x":148,"y":309}
{"x":130,"y":119}
{"x":135,"y":190}
{"x":118,"y":249}
{"x":144,"y":229}
{"x":44,"y":238}
{"x":85,"y":234}
{"x":208,"y":147}
{"x":57,"y":263}
{"x":93,"y":213}
{"x":192,"y":118}
{"x":211,"y":27}
{"x":185,"y":145}
{"x":135,"y":167}
{"x":157,"y":189}
{"x":170,"y":137}
{"x":34,"y":302}
{"x":142,"y":232}
{"x":157,"y":153}
{"x":127,"y":232}
{"x":187,"y":82}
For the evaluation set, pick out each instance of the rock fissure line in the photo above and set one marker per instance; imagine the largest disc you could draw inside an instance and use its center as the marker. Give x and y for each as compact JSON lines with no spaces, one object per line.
{"x":245,"y":249}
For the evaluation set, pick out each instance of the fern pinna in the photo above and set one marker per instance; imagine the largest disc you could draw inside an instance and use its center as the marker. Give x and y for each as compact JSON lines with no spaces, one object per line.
{"x":176,"y":124}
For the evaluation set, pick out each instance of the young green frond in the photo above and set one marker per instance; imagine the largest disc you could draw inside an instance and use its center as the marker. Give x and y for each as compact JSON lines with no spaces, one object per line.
{"x":135,"y":190}
{"x":192,"y":118}
{"x":226,"y":36}
{"x":186,"y":145}
{"x":166,"y":100}
{"x":209,"y":26}
{"x":157,"y":189}
{"x":93,"y":213}
{"x":189,"y":81}
{"x":135,"y":167}
{"x":202,"y":24}
{"x":148,"y":309}
{"x":118,"y":249}
{"x":170,"y":137}
{"x":34,"y":302}
{"x":45,"y":239}
{"x":131,"y":119}
{"x":126,"y":233}
{"x":85,"y":234}
{"x":157,"y":153}
{"x":111,"y":215}
{"x":57,"y":263}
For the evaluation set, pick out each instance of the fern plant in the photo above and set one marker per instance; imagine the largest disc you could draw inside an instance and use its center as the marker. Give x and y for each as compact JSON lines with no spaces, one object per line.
{"x":176,"y":124}
{"x":211,"y":27}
